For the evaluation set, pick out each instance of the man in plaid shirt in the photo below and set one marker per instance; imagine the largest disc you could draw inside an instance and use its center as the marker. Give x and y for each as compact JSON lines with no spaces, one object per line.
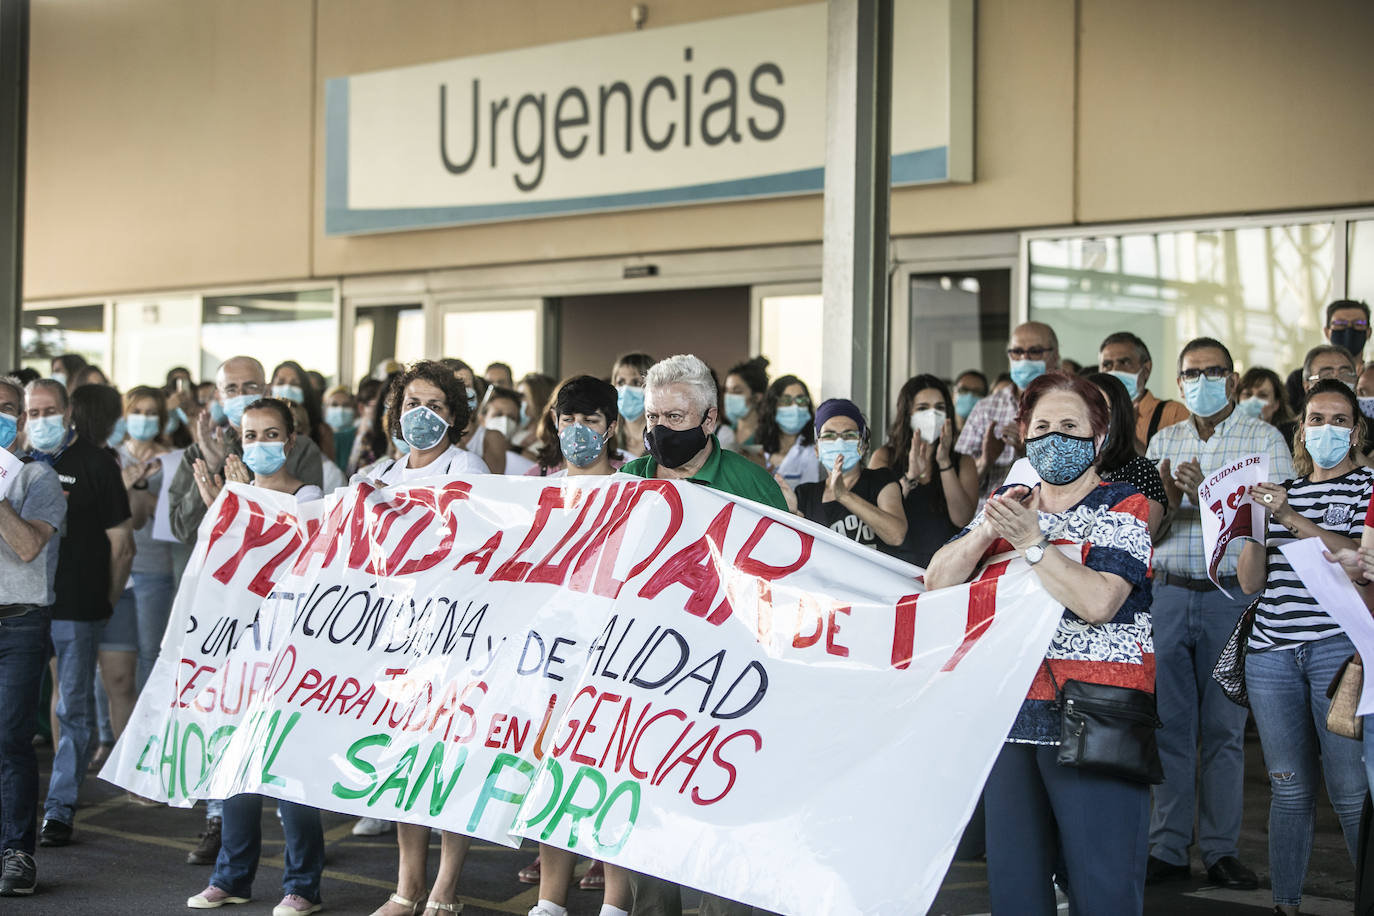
{"x":1192,"y":622}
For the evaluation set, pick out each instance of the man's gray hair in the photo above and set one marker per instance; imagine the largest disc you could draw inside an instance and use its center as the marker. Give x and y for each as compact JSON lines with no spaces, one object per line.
{"x":685,"y":369}
{"x":52,"y":385}
{"x":13,"y":384}
{"x":1323,"y":350}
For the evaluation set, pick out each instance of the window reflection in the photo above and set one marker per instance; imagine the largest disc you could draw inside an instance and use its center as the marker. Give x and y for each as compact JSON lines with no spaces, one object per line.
{"x":1361,"y":261}
{"x":52,"y":331}
{"x":299,"y":325}
{"x":790,"y":336}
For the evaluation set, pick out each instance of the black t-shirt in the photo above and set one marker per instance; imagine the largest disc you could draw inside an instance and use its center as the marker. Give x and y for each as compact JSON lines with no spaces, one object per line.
{"x":928,"y":526}
{"x":834,"y":515}
{"x":96,"y":500}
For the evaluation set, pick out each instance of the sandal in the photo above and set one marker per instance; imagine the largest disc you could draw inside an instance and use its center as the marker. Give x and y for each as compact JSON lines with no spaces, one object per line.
{"x":412,"y":905}
{"x":530,"y":873}
{"x":455,"y":907}
{"x":594,"y":879}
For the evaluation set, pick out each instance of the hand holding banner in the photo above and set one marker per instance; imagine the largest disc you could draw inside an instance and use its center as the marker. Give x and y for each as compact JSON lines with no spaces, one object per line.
{"x":1227,"y":512}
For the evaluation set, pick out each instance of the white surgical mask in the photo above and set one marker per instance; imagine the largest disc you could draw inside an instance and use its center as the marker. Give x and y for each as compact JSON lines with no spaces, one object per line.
{"x":503,"y":425}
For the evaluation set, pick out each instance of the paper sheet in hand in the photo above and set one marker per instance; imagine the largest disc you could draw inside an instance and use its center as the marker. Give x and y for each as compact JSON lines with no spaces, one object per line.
{"x":1226,"y":513}
{"x":1333,"y":590}
{"x":162,"y":515}
{"x":9,"y":467}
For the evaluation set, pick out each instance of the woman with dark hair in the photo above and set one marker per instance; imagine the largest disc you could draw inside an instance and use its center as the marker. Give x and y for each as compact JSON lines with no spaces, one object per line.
{"x":268,"y":430}
{"x":1262,"y":395}
{"x":536,"y":390}
{"x":374,"y":442}
{"x":291,"y":383}
{"x":745,"y":385}
{"x":1295,"y":648}
{"x":90,"y":374}
{"x":786,"y":433}
{"x":65,"y":367}
{"x":96,"y":411}
{"x":939,"y":486}
{"x":1088,"y":543}
{"x":1119,"y":460}
{"x":627,"y":376}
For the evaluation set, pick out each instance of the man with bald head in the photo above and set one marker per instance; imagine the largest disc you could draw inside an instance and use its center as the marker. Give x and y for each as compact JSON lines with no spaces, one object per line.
{"x":989,"y":435}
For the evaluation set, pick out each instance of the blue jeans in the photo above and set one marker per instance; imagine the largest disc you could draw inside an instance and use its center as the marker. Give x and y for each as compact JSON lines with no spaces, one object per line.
{"x":1191,"y":628}
{"x":1038,"y":811}
{"x":23,"y":651}
{"x":1287,"y":690}
{"x":241,"y":847}
{"x":154,"y":593}
{"x":74,"y":643}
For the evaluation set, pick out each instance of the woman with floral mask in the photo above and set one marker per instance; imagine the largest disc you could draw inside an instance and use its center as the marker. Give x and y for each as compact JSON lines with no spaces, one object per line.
{"x":1088,"y":543}
{"x":1295,"y":647}
{"x":268,"y":430}
{"x":863,"y":504}
{"x":628,"y":375}
{"x":939,"y":485}
{"x":787,"y":433}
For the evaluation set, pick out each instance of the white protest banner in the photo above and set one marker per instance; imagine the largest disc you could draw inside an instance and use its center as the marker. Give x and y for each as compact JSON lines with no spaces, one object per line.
{"x":646,"y":671}
{"x":1227,"y":513}
{"x":9,"y":466}
{"x":1336,"y":595}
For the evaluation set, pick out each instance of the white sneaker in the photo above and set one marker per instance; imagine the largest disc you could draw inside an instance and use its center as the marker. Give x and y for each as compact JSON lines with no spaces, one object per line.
{"x":372,"y":826}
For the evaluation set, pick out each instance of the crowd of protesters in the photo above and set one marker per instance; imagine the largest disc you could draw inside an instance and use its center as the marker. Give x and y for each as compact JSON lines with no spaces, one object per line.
{"x":1088,"y":476}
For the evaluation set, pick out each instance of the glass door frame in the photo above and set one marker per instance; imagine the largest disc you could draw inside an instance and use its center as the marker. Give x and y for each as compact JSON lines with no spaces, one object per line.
{"x":454,"y":303}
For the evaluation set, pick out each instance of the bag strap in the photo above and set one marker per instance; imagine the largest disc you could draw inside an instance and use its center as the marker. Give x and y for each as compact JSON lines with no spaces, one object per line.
{"x":1154,"y":421}
{"x":1058,"y":691}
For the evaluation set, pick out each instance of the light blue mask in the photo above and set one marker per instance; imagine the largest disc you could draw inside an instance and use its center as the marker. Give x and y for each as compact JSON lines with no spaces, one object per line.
{"x":524,"y":415}
{"x":118,"y":433}
{"x":581,"y":445}
{"x":829,"y":451}
{"x":422,"y":428}
{"x":9,"y":429}
{"x":1252,"y":407}
{"x":264,"y":458}
{"x":472,"y":398}
{"x":1328,"y":445}
{"x":175,"y":419}
{"x":47,"y":433}
{"x":1205,"y":397}
{"x":963,"y":403}
{"x":630,"y":402}
{"x":141,"y":426}
{"x":1130,"y":379}
{"x":340,"y":417}
{"x":216,"y":412}
{"x":792,"y":418}
{"x":60,"y":378}
{"x":292,"y":393}
{"x":736,"y":407}
{"x":402,"y":446}
{"x":235,"y":406}
{"x":1025,"y":371}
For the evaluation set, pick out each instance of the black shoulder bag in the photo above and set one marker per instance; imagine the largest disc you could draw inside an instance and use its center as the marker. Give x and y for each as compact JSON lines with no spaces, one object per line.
{"x":1109,"y":730}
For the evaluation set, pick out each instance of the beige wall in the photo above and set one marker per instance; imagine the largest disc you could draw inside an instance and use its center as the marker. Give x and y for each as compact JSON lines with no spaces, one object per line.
{"x":171,"y":142}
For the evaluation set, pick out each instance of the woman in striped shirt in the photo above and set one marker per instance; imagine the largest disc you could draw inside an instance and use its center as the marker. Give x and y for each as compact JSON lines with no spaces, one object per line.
{"x":1295,"y":647}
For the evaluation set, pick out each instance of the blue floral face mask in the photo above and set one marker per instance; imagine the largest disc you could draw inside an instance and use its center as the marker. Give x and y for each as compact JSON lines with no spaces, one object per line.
{"x":581,"y":445}
{"x":422,"y":428}
{"x":1059,"y":458}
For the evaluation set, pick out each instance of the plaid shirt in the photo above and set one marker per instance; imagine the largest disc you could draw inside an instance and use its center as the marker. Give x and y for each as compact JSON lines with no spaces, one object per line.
{"x":996,"y":409}
{"x":1181,"y":553}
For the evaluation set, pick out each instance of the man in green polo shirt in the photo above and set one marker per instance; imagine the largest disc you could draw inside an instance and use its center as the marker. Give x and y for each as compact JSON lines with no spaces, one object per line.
{"x":680,"y":421}
{"x":680,"y":407}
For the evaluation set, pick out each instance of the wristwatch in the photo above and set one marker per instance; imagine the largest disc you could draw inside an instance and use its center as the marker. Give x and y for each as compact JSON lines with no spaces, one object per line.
{"x":1035,"y":553}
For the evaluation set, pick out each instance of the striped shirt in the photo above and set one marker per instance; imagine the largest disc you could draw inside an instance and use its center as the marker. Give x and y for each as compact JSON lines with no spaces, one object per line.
{"x":1181,"y":553}
{"x":1287,"y":614}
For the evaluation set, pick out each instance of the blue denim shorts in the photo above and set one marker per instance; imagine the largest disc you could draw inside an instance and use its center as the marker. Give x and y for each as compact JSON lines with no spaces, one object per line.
{"x":120,"y":633}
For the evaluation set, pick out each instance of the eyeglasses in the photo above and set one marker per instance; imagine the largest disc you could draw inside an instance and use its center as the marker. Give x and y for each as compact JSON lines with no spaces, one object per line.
{"x":1341,"y":324}
{"x":1029,"y":352}
{"x":232,"y":390}
{"x":1212,"y":372}
{"x":800,"y":400}
{"x":847,"y":436}
{"x":1344,"y":374}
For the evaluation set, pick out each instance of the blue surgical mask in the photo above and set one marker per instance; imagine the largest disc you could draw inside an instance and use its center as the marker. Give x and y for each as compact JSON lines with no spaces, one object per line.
{"x":524,"y":415}
{"x":1025,"y":371}
{"x":235,"y":406}
{"x":264,"y":458}
{"x":340,"y":416}
{"x":174,"y":421}
{"x":829,"y":451}
{"x":792,"y":418}
{"x":736,"y":407}
{"x":630,"y":402}
{"x":9,"y":429}
{"x":472,"y":398}
{"x":1059,"y":458}
{"x":291,"y":393}
{"x":1130,"y":379}
{"x":1205,"y":397}
{"x":402,"y":445}
{"x":1252,"y":407}
{"x":117,"y":434}
{"x":216,"y":412}
{"x":581,"y":445}
{"x":47,"y":433}
{"x":141,"y":426}
{"x":422,"y":428}
{"x":1328,"y":445}
{"x":60,"y":378}
{"x":963,"y":403}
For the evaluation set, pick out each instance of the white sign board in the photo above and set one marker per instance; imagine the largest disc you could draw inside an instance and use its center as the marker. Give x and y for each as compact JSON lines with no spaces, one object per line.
{"x":1227,"y":512}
